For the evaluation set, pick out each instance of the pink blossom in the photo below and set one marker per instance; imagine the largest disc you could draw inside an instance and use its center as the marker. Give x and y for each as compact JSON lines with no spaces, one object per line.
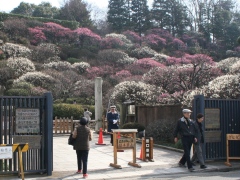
{"x":36,"y":35}
{"x":87,"y":32}
{"x":134,"y":37}
{"x":111,"y":42}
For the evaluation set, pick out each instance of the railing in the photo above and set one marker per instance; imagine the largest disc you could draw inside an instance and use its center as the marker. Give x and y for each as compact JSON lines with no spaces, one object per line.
{"x":63,"y":125}
{"x":66,"y":125}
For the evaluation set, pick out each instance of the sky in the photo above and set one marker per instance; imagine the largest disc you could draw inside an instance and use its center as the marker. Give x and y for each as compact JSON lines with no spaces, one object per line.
{"x":8,"y":5}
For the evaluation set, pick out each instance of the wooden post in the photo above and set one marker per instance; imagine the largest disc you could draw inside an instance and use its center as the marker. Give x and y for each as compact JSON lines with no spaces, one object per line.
{"x":127,"y":141}
{"x":231,"y":137}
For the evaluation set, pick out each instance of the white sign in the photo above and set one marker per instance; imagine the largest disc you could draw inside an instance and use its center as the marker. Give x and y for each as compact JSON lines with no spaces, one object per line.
{"x":5,"y":152}
{"x":27,"y":120}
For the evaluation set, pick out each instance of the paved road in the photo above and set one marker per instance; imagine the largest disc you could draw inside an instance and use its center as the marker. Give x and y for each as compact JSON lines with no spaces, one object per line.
{"x":100,"y":156}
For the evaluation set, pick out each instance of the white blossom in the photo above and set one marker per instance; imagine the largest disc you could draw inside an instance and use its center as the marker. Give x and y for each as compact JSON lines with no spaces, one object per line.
{"x":139,"y":92}
{"x":123,"y":38}
{"x":20,"y":65}
{"x":15,"y":50}
{"x":225,"y":64}
{"x":143,"y":52}
{"x":59,"y":66}
{"x":37,"y":79}
{"x":81,"y":67}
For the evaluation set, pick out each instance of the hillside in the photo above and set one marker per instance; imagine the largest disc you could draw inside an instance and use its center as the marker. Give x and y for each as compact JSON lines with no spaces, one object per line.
{"x":156,"y":68}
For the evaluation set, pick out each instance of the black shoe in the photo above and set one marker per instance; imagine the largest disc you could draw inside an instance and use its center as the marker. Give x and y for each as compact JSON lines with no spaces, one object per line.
{"x":193,"y":164}
{"x":181,"y":165}
{"x":191,"y":169}
{"x":203,"y":167}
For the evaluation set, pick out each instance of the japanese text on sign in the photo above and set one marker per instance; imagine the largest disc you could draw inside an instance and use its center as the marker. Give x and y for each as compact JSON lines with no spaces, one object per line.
{"x":125,"y":143}
{"x":27,"y":120}
{"x":5,"y":152}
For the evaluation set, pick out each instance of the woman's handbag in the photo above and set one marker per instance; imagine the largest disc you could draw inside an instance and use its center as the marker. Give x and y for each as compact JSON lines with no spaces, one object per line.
{"x":71,"y":140}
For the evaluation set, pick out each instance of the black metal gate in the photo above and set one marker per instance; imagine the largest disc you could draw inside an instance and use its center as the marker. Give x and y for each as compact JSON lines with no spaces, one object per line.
{"x":15,"y":126}
{"x":221,"y":117}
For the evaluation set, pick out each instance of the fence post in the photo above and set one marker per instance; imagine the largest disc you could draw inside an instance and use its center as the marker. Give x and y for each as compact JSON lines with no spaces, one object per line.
{"x":48,"y":126}
{"x":71,"y":125}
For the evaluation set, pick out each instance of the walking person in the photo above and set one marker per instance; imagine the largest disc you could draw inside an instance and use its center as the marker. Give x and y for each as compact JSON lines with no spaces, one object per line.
{"x":82,"y":136}
{"x":112,"y":118}
{"x":200,"y":140}
{"x":87,"y":114}
{"x":187,"y":131}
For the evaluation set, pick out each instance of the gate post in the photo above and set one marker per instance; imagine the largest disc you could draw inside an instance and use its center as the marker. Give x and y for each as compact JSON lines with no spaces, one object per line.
{"x":48,"y":135}
{"x":199,"y":107}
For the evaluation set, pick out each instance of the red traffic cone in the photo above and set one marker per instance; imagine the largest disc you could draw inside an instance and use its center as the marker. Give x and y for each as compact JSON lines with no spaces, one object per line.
{"x":118,"y":136}
{"x":140,"y":157}
{"x":100,"y":138}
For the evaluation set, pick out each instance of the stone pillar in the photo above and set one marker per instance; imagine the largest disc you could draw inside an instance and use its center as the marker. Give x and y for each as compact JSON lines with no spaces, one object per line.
{"x":98,"y":103}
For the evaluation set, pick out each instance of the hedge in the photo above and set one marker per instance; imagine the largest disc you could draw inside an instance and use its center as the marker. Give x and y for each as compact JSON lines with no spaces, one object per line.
{"x":68,"y":110}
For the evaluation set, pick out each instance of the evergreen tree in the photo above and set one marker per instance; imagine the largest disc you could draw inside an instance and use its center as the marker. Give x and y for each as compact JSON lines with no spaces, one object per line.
{"x":76,"y":10}
{"x":24,"y":9}
{"x":118,"y":15}
{"x":170,"y":15}
{"x":140,"y":16}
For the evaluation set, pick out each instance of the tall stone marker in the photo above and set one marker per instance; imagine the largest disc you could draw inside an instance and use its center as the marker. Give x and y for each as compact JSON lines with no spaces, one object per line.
{"x":98,"y":103}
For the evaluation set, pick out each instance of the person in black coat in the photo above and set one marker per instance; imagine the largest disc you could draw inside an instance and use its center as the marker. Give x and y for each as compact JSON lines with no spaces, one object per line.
{"x":187,"y":131}
{"x":200,"y":140}
{"x":112,"y":118}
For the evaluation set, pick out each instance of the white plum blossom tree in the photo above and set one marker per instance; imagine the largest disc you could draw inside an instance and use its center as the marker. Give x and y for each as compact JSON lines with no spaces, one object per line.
{"x":139,"y":92}
{"x":126,"y":42}
{"x":143,"y":52}
{"x":225,"y":64}
{"x":20,"y":66}
{"x":81,"y":67}
{"x":15,"y":50}
{"x":59,"y":66}
{"x":37,"y":79}
{"x":222,"y":87}
{"x":235,"y":68}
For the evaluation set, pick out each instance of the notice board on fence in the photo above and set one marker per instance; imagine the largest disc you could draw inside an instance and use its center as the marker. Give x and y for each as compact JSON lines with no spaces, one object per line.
{"x":27,"y":120}
{"x":5,"y":152}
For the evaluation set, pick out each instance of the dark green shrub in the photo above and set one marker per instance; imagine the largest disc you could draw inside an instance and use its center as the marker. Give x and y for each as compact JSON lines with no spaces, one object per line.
{"x":68,"y":110}
{"x":131,"y":125}
{"x":73,"y":60}
{"x":161,"y":131}
{"x":179,"y":145}
{"x":17,"y":92}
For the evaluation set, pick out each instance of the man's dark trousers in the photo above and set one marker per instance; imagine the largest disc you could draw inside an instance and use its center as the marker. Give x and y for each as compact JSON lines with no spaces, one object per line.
{"x":187,"y":144}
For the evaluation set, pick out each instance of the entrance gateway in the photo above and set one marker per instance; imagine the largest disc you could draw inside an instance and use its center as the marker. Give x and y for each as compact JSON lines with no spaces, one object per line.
{"x":26,"y":119}
{"x":222,"y":117}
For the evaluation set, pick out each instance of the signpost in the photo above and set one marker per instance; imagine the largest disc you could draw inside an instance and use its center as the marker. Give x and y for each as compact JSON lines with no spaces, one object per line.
{"x":126,"y":141}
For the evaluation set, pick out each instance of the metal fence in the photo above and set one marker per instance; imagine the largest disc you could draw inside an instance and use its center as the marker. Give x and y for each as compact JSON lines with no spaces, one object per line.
{"x":27,"y":120}
{"x":221,"y":117}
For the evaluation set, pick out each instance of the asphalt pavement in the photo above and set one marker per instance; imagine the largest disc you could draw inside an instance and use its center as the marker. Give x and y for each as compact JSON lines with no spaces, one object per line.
{"x":100,"y":157}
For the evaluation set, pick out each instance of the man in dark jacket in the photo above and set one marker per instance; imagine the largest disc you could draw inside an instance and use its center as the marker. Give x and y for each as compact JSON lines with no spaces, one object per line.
{"x":112,"y":118}
{"x":187,"y":131}
{"x":200,"y":140}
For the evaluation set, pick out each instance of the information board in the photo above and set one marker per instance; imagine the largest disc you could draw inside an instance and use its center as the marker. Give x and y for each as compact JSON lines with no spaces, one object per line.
{"x":212,"y":118}
{"x":34,"y":141}
{"x":5,"y":152}
{"x":27,"y":120}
